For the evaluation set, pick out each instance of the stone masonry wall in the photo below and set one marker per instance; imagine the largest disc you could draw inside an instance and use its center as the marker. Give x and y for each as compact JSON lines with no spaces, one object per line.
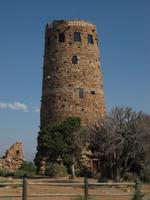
{"x":71,"y":89}
{"x":13,"y":157}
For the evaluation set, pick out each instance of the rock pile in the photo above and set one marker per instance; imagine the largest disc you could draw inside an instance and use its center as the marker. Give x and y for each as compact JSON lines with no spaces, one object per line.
{"x":13,"y":157}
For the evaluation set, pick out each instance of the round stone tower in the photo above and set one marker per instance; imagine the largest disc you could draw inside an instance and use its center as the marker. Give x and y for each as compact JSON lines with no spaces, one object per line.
{"x":72,"y":77}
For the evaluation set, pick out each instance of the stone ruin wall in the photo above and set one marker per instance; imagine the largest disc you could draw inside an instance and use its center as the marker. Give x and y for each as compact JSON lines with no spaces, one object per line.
{"x":13,"y":157}
{"x":71,"y":89}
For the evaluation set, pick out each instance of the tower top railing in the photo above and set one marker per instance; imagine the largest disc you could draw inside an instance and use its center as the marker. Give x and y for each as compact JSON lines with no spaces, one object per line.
{"x":71,"y":22}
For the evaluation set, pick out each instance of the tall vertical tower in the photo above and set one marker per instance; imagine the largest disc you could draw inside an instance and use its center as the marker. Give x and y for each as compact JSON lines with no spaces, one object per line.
{"x":72,"y":77}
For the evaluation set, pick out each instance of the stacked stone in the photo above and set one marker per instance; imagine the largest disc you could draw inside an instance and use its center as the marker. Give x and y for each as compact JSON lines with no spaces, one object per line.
{"x":72,"y":77}
{"x":13,"y":157}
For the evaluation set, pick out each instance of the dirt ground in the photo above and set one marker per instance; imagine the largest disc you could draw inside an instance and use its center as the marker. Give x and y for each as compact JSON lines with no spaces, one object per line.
{"x":107,"y":192}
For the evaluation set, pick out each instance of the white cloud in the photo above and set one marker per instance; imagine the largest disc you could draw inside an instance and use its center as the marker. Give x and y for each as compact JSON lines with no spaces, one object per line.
{"x":3,"y":105}
{"x":14,"y":106}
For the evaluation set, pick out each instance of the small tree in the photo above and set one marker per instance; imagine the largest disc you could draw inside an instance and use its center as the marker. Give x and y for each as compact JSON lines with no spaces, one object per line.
{"x":121,"y":141}
{"x":72,"y":147}
{"x":60,"y":142}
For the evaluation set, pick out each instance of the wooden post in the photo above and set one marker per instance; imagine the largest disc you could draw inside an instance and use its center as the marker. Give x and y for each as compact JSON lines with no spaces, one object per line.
{"x":86,"y":187}
{"x":24,"y":189}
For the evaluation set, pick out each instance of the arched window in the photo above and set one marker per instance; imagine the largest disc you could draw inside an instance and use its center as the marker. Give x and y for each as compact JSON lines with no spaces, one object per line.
{"x":74,"y":60}
{"x":77,"y":37}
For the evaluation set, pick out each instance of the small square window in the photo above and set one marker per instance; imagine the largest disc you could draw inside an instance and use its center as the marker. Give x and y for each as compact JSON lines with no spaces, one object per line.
{"x":49,"y":40}
{"x":61,"y":37}
{"x":93,"y":92}
{"x":77,"y":37}
{"x":81,"y":93}
{"x":90,"y":39}
{"x":74,"y":60}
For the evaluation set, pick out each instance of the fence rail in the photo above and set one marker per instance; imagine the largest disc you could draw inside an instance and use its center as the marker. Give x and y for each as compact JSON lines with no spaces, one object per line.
{"x":85,"y":185}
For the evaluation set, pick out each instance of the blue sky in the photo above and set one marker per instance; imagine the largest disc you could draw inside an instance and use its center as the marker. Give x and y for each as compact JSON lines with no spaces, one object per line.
{"x":124,"y":38}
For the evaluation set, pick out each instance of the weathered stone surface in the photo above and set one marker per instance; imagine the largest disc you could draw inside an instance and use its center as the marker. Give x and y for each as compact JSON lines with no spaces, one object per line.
{"x":13,"y":157}
{"x":86,"y":158}
{"x":71,"y":89}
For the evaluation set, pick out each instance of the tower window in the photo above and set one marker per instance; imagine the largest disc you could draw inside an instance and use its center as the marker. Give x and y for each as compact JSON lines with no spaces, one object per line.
{"x":74,"y":60}
{"x":97,"y":41}
{"x":77,"y":37}
{"x":81,"y":93}
{"x":61,"y":37}
{"x":93,"y":92}
{"x":17,"y":152}
{"x":90,"y":39}
{"x":49,"y":40}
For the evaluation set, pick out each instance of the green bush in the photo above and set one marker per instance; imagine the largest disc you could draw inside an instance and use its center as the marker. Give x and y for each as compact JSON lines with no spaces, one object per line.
{"x":130,"y":176}
{"x":6,"y":173}
{"x":28,"y":166}
{"x":21,"y":173}
{"x":27,"y":169}
{"x":145,"y":175}
{"x":84,"y":172}
{"x":55,"y":170}
{"x":103,"y":179}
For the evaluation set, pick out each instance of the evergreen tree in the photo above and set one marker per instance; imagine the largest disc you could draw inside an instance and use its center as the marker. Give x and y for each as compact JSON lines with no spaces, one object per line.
{"x":60,"y":142}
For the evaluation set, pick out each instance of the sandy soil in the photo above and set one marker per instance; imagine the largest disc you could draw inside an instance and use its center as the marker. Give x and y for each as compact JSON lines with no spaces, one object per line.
{"x":37,"y":189}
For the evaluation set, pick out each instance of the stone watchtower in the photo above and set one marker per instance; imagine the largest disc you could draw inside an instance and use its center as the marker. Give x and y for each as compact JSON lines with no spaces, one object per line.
{"x":72,"y":77}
